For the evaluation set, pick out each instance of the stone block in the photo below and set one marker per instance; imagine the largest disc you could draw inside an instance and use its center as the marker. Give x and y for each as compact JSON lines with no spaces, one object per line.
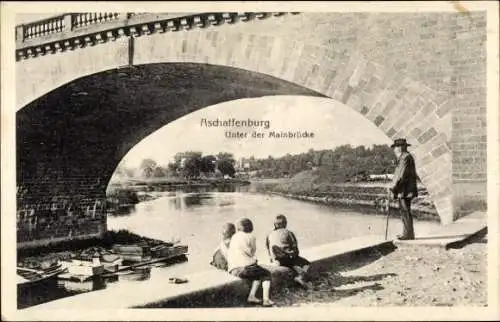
{"x":428,"y":135}
{"x":378,"y":120}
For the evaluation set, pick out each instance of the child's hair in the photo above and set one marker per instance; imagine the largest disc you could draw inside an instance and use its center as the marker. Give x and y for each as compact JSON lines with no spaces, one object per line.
{"x":280,"y":221}
{"x":245,"y":225}
{"x":228,"y":230}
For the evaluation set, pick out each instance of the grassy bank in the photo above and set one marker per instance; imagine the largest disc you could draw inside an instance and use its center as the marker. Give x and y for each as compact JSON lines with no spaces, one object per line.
{"x":309,"y":186}
{"x":159,"y":184}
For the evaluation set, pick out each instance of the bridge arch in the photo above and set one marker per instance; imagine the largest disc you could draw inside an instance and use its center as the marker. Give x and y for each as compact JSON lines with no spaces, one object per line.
{"x":397,"y":104}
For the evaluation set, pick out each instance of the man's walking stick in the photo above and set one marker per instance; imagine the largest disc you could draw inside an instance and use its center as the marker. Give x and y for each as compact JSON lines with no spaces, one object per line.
{"x":388,"y":212}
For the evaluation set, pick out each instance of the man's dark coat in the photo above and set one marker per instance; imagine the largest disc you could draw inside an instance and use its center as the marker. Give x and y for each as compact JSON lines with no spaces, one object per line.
{"x":404,"y":182}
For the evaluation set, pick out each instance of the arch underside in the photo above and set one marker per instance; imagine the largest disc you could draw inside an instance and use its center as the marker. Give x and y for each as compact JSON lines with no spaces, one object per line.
{"x":84,"y":128}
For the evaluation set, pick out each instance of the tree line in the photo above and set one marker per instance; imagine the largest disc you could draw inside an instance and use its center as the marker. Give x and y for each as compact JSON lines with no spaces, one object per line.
{"x":343,"y":162}
{"x":188,"y":165}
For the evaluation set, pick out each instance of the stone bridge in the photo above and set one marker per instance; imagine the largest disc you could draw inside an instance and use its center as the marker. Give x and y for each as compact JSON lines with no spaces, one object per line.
{"x":89,"y":86}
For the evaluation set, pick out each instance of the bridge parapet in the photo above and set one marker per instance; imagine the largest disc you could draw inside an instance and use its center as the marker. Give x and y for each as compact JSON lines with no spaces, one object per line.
{"x":77,"y":30}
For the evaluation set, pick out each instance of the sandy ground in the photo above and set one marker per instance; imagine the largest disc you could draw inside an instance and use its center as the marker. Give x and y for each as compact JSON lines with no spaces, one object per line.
{"x":409,"y":276}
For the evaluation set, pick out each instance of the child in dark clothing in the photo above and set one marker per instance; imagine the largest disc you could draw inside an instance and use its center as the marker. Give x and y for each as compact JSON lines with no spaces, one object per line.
{"x":283,"y":250}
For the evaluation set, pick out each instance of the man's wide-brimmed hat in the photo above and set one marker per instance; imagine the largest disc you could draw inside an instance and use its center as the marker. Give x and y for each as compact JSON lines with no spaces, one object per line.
{"x":400,"y":142}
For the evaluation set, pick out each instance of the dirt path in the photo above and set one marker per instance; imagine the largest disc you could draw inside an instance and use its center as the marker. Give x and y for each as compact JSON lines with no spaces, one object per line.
{"x":409,"y":276}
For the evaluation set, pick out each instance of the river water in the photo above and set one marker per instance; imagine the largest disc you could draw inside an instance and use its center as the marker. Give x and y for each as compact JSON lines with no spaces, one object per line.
{"x":196,"y":218}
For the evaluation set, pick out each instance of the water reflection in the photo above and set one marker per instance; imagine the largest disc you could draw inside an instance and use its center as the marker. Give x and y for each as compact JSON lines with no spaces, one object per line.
{"x":195,"y":217}
{"x":54,"y":289}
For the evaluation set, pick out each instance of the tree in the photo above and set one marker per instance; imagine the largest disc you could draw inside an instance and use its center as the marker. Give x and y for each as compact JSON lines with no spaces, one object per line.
{"x":184,"y":156}
{"x":192,"y":166}
{"x":159,"y":172}
{"x":172,"y":167}
{"x":226,"y":168}
{"x":226,"y":157}
{"x":147,"y":167}
{"x":208,"y":164}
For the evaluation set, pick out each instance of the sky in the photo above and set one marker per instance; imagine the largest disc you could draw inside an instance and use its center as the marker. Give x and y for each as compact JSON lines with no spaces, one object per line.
{"x":30,"y":17}
{"x":331,"y":122}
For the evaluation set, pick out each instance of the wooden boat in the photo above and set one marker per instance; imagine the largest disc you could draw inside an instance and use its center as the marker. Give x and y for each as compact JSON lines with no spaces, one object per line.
{"x":111,"y":262}
{"x":144,"y":253}
{"x":84,"y":268}
{"x":133,"y":253}
{"x":166,"y":251}
{"x":29,"y":276}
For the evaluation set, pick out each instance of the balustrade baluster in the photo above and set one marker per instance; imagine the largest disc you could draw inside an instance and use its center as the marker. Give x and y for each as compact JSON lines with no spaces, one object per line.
{"x":100,"y":16}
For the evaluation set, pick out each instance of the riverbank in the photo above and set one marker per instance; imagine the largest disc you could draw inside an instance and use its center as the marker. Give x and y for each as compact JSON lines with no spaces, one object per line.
{"x":122,"y":197}
{"x":409,"y":276}
{"x":365,"y":196}
{"x":377,"y":205}
{"x":164,"y":184}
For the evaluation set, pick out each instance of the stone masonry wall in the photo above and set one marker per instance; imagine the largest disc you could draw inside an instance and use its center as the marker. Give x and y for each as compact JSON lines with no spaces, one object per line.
{"x":446,"y":51}
{"x":415,"y":75}
{"x":52,"y":209}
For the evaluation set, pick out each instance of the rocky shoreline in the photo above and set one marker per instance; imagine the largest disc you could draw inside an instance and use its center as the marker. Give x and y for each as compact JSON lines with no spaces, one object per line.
{"x":378,"y":206}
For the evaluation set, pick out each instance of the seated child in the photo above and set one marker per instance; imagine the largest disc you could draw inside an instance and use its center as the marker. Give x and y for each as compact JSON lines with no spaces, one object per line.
{"x":283,"y":250}
{"x":243,"y":263}
{"x":219,"y":259}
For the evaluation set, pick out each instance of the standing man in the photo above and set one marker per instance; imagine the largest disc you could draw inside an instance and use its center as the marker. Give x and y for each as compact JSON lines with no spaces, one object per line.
{"x":404,"y":186}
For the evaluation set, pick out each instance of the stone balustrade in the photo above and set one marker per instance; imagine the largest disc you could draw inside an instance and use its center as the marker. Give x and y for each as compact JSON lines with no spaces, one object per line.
{"x":77,"y":30}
